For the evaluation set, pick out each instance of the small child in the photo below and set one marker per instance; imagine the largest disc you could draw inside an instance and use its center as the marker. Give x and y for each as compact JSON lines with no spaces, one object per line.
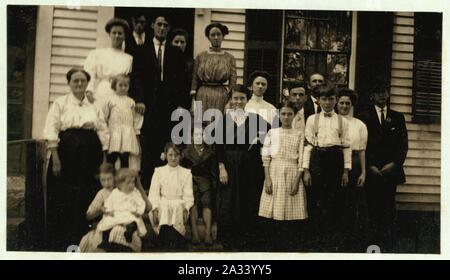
{"x":171,"y":196}
{"x":124,"y":122}
{"x":125,"y":206}
{"x":200,"y":159}
{"x":283,"y":199}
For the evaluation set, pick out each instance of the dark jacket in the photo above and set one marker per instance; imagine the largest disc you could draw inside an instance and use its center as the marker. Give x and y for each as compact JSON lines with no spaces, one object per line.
{"x":204,"y":168}
{"x":386,"y":144}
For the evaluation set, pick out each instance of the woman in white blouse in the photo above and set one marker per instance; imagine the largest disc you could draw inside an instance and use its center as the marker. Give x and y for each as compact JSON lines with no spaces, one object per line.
{"x":258,"y":84}
{"x":76,"y":134}
{"x":104,"y":64}
{"x":355,"y":199}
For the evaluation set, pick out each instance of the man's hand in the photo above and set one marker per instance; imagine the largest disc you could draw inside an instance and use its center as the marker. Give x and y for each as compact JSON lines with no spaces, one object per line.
{"x":344,"y":179}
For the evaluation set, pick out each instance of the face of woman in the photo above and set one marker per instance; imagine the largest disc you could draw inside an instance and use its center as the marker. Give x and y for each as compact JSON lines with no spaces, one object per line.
{"x":215,"y":37}
{"x":173,"y":158}
{"x":259,"y":86}
{"x":117,"y":35}
{"x":197,"y":136}
{"x":238,"y":100}
{"x":122,"y":86}
{"x":344,"y":105}
{"x":286,"y":116}
{"x":78,"y":83}
{"x":179,"y":41}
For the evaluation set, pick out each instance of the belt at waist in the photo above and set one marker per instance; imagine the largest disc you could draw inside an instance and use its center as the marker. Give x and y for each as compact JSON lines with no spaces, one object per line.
{"x":290,"y":160}
{"x":327,"y":149}
{"x":213,"y":84}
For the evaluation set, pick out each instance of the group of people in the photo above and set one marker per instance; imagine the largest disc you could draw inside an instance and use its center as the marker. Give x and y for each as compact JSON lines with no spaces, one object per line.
{"x":308,"y":176}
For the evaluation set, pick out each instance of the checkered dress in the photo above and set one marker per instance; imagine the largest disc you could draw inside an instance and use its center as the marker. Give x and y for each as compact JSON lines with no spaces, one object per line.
{"x":282,"y":152}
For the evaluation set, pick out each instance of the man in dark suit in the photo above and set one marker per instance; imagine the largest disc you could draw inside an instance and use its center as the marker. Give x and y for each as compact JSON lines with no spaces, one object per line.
{"x":386,"y":151}
{"x":156,"y":79}
{"x":311,"y":105}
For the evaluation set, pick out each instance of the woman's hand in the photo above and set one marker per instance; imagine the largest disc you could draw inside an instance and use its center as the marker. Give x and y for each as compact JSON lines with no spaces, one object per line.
{"x":295,"y":185}
{"x":375,"y":171}
{"x":361,"y":179}
{"x":223,"y":175}
{"x":140,"y":108}
{"x":268,"y":186}
{"x":344,"y":179}
{"x":185,"y":216}
{"x":156,"y":216}
{"x":307,"y":178}
{"x":388,"y":168}
{"x":193,"y":92}
{"x":90,"y":96}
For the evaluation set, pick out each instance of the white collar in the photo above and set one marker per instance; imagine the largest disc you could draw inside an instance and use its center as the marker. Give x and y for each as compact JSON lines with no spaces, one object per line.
{"x":157,"y":42}
{"x":378,"y":109}
{"x":74,"y":100}
{"x":314,"y":99}
{"x":142,"y":36}
{"x":258,"y":99}
{"x":332,"y":113}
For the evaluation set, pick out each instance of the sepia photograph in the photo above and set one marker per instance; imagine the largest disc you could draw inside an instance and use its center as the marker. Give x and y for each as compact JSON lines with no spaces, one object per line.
{"x":303,"y":130}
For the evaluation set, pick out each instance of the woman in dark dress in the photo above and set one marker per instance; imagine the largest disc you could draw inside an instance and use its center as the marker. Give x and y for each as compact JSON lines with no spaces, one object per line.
{"x":76,"y":133}
{"x":241,"y":173}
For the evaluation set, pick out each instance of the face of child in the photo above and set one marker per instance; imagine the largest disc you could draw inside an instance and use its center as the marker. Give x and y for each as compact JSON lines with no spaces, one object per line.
{"x":344,"y":105}
{"x":259,"y":86}
{"x":286,"y":116}
{"x":238,"y":100}
{"x":127,"y":185}
{"x":106,"y":180}
{"x":179,"y":41}
{"x":122,"y":86}
{"x":327,"y":102}
{"x":298,"y":97}
{"x":173,"y":158}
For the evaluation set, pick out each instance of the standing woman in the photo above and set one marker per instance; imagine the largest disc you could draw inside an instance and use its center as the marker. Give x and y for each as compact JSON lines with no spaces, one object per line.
{"x":106,"y":63}
{"x":212,"y":69}
{"x":179,"y":38}
{"x":354,"y":221}
{"x":240,"y":172}
{"x":258,"y":84}
{"x":76,"y":133}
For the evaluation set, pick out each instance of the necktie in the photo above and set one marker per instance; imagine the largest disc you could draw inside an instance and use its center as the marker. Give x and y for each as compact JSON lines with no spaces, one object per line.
{"x":382,"y":117}
{"x":328,"y":115}
{"x":159,"y":61}
{"x":319,"y":109}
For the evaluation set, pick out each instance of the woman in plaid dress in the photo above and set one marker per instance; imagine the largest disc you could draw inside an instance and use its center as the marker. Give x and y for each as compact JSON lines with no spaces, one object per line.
{"x":283,"y":201}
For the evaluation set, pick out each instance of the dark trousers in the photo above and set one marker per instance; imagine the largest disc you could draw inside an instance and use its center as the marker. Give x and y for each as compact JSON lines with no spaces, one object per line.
{"x":112,"y":158}
{"x":382,"y":212}
{"x":170,"y":239}
{"x":325,"y":199}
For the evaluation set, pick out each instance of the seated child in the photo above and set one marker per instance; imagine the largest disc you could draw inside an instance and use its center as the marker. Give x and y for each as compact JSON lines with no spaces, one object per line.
{"x":172,"y":197}
{"x":125,"y":206}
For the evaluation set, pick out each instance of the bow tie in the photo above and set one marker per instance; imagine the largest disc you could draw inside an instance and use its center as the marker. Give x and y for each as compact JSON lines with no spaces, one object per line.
{"x":328,"y":115}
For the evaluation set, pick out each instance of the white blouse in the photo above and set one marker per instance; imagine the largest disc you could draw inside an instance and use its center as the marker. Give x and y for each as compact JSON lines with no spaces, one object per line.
{"x":357,"y":131}
{"x":69,"y":112}
{"x":259,"y":106}
{"x":103,"y":65}
{"x":171,"y":183}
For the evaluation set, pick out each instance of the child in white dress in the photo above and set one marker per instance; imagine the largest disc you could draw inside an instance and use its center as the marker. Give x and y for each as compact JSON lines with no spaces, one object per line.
{"x":125,"y":206}
{"x":171,"y":196}
{"x":124,"y":122}
{"x":283,"y":199}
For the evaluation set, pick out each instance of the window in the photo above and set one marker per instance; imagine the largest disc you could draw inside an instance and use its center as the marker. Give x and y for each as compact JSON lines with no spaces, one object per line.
{"x":316,"y":41}
{"x":427,"y":68}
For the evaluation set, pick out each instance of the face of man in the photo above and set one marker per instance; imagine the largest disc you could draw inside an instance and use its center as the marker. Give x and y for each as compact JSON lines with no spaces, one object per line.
{"x":160,"y":28}
{"x":139,"y":24}
{"x":380,"y":98}
{"x":315,"y":80}
{"x":298,"y":97}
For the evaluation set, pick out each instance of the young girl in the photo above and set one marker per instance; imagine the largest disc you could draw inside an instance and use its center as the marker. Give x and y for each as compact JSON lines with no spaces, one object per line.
{"x":283,"y":197}
{"x":200,"y":159}
{"x":171,"y":196}
{"x":123,"y":122}
{"x":97,"y":207}
{"x":125,"y":206}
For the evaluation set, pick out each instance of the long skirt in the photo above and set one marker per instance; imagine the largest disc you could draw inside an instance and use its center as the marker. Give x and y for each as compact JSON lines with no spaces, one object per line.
{"x":89,"y":243}
{"x":238,"y":202}
{"x":69,"y":195}
{"x":212,"y":97}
